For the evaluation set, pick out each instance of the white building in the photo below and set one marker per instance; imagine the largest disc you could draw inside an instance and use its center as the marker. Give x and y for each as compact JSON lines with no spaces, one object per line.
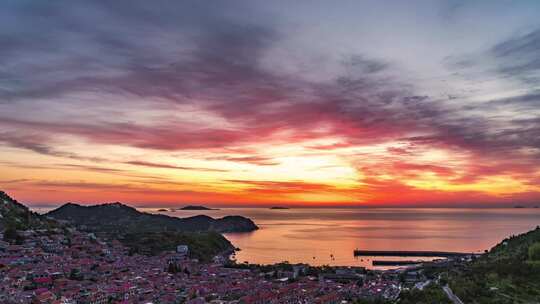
{"x":182,"y":249}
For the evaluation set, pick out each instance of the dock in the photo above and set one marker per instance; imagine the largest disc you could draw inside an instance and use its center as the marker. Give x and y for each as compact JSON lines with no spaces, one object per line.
{"x":402,"y":253}
{"x":395,"y":263}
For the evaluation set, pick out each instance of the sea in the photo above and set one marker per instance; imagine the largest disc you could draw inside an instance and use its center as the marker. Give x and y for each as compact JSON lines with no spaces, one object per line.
{"x":329,"y":236}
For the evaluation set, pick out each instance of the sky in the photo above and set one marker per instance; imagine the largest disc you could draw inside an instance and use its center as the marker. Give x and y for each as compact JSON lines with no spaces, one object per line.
{"x":256,"y":103}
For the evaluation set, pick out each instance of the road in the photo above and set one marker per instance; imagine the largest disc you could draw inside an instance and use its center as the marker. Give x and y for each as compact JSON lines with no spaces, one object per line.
{"x":451,"y":295}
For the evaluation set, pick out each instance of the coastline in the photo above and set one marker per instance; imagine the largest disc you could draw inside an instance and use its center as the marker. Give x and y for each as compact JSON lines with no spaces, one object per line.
{"x":293,"y":234}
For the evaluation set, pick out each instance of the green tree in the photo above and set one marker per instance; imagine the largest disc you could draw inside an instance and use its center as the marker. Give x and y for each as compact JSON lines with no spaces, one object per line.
{"x":75,"y":274}
{"x":11,"y":236}
{"x":534,"y":252}
{"x":172,"y":268}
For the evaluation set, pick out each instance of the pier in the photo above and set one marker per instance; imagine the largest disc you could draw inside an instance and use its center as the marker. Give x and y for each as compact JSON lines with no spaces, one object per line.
{"x":395,"y":263}
{"x":402,"y":253}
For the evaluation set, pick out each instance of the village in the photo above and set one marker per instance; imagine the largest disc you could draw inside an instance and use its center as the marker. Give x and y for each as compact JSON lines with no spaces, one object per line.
{"x":50,"y":267}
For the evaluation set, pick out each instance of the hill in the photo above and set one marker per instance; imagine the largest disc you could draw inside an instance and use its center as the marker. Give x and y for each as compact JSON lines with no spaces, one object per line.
{"x":117,"y":217}
{"x":147,"y":234}
{"x":14,"y":215}
{"x":508,"y":273}
{"x":150,"y":234}
{"x":202,"y":245}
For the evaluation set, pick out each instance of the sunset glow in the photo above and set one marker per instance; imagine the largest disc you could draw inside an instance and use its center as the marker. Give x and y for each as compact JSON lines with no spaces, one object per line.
{"x":301,"y":109}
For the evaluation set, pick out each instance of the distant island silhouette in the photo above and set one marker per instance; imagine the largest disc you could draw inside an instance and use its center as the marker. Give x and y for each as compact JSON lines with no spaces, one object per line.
{"x":279,"y":208}
{"x":196,"y":207}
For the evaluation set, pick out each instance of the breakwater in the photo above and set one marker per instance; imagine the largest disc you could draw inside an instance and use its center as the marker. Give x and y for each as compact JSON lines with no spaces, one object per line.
{"x":401,"y":253}
{"x":395,"y":263}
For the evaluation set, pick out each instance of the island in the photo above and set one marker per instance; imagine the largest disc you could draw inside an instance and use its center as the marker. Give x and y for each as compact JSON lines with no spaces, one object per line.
{"x":162,"y":210}
{"x":196,"y":207}
{"x":279,"y":208}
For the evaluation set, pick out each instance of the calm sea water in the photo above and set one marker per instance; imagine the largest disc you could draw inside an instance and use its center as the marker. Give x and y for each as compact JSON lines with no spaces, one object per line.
{"x":329,"y":236}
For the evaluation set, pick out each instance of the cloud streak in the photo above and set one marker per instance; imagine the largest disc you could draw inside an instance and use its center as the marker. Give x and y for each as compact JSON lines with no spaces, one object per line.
{"x":127,"y":84}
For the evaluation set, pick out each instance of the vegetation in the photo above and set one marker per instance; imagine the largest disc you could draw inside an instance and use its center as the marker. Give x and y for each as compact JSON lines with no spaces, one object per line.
{"x":11,"y":236}
{"x":15,"y":216}
{"x":202,"y":246}
{"x":509,"y":273}
{"x":534,"y":252}
{"x":432,"y":293}
{"x":371,"y":301}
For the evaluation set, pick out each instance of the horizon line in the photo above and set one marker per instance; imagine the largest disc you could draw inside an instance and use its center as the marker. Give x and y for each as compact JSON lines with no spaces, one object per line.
{"x":288,"y":206}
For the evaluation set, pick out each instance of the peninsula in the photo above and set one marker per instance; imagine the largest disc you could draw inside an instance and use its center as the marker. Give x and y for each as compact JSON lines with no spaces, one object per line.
{"x":120,"y":217}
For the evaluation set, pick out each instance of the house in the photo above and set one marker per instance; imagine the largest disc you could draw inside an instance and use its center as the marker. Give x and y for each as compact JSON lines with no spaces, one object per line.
{"x":412,"y":277}
{"x":182,"y":250}
{"x":4,"y":246}
{"x":300,"y":270}
{"x":44,"y":297}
